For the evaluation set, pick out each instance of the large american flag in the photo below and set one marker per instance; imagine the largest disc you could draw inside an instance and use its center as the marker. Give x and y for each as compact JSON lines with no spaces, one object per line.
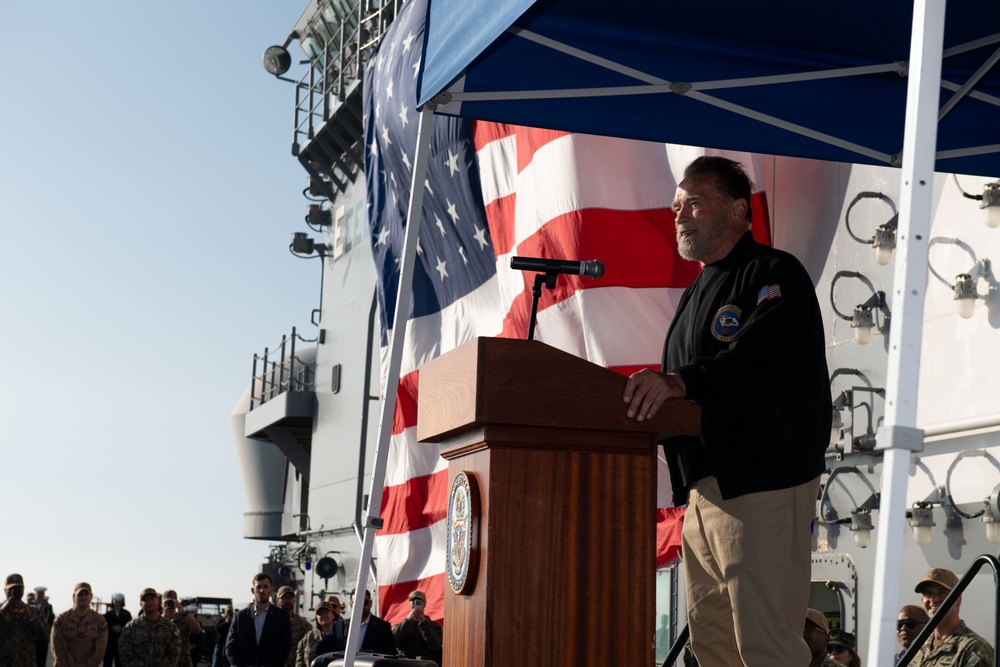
{"x":494,"y":191}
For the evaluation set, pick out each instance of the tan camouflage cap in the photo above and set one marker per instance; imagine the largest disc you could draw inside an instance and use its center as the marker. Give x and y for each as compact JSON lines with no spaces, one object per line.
{"x":818,"y":619}
{"x":940,"y":576}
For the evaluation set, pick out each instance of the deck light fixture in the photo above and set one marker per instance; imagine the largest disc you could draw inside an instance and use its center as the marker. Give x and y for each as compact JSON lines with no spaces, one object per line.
{"x":836,"y":426}
{"x":277,"y":60}
{"x":965,"y":290}
{"x":990,"y":205}
{"x":991,"y":517}
{"x":863,"y":319}
{"x":884,"y":239}
{"x":844,"y":400}
{"x":965,"y":295}
{"x":861,"y":526}
{"x":921,"y":520}
{"x":302,"y":244}
{"x":861,"y":521}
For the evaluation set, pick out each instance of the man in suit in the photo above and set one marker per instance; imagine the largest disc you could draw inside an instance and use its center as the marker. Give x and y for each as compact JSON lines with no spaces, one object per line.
{"x":375,"y":635}
{"x":260,"y":635}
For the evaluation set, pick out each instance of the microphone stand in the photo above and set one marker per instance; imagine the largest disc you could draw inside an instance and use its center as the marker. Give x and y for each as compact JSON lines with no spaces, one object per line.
{"x":549,"y":280}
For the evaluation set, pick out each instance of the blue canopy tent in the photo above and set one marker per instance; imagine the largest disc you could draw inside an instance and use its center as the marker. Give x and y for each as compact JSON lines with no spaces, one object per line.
{"x":826,"y":81}
{"x":907,"y":83}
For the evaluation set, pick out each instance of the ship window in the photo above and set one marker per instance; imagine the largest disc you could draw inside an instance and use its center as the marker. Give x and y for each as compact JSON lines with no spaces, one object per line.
{"x":825,"y":596}
{"x":666,"y":610}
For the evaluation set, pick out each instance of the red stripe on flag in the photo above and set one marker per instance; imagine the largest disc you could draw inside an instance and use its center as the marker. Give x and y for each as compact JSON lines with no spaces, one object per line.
{"x":761,"y":226}
{"x":416,"y":503}
{"x":669,"y":523}
{"x":392,"y":599}
{"x":485,"y":133}
{"x":530,"y":140}
{"x":500,"y":215}
{"x":406,"y":403}
{"x":638,"y":249}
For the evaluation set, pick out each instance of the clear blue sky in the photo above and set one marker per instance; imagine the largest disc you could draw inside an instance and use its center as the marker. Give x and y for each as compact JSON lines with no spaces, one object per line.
{"x":147,"y":199}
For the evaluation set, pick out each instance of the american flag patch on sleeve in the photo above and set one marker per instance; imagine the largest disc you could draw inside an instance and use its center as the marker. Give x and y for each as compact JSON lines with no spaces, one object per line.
{"x":769,"y":292}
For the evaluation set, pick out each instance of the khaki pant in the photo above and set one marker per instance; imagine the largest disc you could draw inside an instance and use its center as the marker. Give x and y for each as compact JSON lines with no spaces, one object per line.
{"x":747,"y":571}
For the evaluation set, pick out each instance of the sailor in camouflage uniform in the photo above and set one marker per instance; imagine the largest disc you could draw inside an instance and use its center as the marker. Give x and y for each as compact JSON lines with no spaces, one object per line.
{"x":300,"y":626}
{"x":149,"y":640}
{"x":305,"y":650}
{"x":79,"y":635}
{"x":171,"y":612}
{"x":953,"y":644}
{"x":20,"y":627}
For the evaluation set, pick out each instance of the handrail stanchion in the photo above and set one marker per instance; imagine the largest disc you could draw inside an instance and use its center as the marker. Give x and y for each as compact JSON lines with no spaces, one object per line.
{"x":291,"y":364}
{"x":253,"y":381}
{"x":263,"y":378}
{"x":281,"y":368}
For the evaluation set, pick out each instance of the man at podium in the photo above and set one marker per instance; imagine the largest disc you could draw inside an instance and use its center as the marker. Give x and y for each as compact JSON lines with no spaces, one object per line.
{"x":747,"y":345}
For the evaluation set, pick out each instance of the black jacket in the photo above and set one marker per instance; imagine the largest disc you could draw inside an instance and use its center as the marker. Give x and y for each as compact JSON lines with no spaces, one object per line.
{"x":242,"y":648}
{"x":378,"y":639}
{"x":749,"y":343}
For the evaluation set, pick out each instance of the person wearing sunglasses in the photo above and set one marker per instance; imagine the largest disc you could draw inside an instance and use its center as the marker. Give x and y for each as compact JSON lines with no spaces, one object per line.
{"x":953,"y":644}
{"x":912,"y":620}
{"x":816,"y":634}
{"x":841,"y":649}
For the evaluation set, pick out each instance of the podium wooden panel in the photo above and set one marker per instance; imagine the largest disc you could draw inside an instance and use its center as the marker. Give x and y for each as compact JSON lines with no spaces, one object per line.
{"x":566,"y":535}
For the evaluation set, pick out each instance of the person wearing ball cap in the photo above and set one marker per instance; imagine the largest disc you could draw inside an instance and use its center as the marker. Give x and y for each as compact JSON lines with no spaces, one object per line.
{"x":80,"y":634}
{"x":149,"y":639}
{"x":306,"y":650}
{"x":20,"y":626}
{"x":417,"y":635}
{"x":953,"y":644}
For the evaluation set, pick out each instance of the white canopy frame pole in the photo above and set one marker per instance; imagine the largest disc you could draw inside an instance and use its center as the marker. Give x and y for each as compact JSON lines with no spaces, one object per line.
{"x":898,"y":436}
{"x":403,"y":293}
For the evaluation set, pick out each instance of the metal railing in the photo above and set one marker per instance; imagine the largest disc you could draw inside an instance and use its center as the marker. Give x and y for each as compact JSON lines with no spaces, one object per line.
{"x":280,"y":370}
{"x":341,"y":61}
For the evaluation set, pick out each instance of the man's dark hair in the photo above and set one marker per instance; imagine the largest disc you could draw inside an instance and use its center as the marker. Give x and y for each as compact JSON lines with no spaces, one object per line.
{"x":731,"y":176}
{"x":262,"y":575}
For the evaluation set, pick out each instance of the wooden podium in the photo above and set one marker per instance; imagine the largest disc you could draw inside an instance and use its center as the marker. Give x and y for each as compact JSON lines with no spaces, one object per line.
{"x":562,"y":565}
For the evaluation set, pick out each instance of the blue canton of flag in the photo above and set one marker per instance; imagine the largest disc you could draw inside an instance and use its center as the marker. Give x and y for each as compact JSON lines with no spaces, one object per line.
{"x":769,"y":292}
{"x":454,"y":251}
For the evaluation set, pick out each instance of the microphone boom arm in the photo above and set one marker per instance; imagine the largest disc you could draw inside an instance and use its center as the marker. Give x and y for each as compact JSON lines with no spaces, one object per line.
{"x":547,"y":279}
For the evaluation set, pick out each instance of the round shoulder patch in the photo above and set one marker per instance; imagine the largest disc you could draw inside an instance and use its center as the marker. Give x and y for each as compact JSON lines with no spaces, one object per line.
{"x":726,"y":323}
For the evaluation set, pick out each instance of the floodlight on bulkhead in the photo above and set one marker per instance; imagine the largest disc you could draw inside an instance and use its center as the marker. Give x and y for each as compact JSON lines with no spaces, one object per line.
{"x":990,"y":205}
{"x":920,"y":520}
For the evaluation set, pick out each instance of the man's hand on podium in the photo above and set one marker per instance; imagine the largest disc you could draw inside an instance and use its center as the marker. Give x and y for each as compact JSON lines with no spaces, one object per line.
{"x":646,"y":390}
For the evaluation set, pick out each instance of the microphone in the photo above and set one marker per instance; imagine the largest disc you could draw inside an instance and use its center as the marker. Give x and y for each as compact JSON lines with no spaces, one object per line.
{"x":591,"y":268}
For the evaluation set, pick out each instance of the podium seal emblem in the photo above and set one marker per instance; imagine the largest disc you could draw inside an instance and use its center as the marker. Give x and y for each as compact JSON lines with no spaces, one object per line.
{"x":461,"y":507}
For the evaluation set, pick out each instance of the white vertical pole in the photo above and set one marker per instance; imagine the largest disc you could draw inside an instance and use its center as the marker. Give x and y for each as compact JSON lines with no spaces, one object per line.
{"x":396,"y":339}
{"x":899,"y":436}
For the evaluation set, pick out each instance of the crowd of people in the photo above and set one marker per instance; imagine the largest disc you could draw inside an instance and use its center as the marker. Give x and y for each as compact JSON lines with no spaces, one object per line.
{"x":164,"y":633}
{"x":952,"y":644}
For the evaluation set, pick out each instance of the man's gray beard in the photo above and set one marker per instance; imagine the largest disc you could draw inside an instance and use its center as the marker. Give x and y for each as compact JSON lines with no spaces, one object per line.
{"x":689,"y":248}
